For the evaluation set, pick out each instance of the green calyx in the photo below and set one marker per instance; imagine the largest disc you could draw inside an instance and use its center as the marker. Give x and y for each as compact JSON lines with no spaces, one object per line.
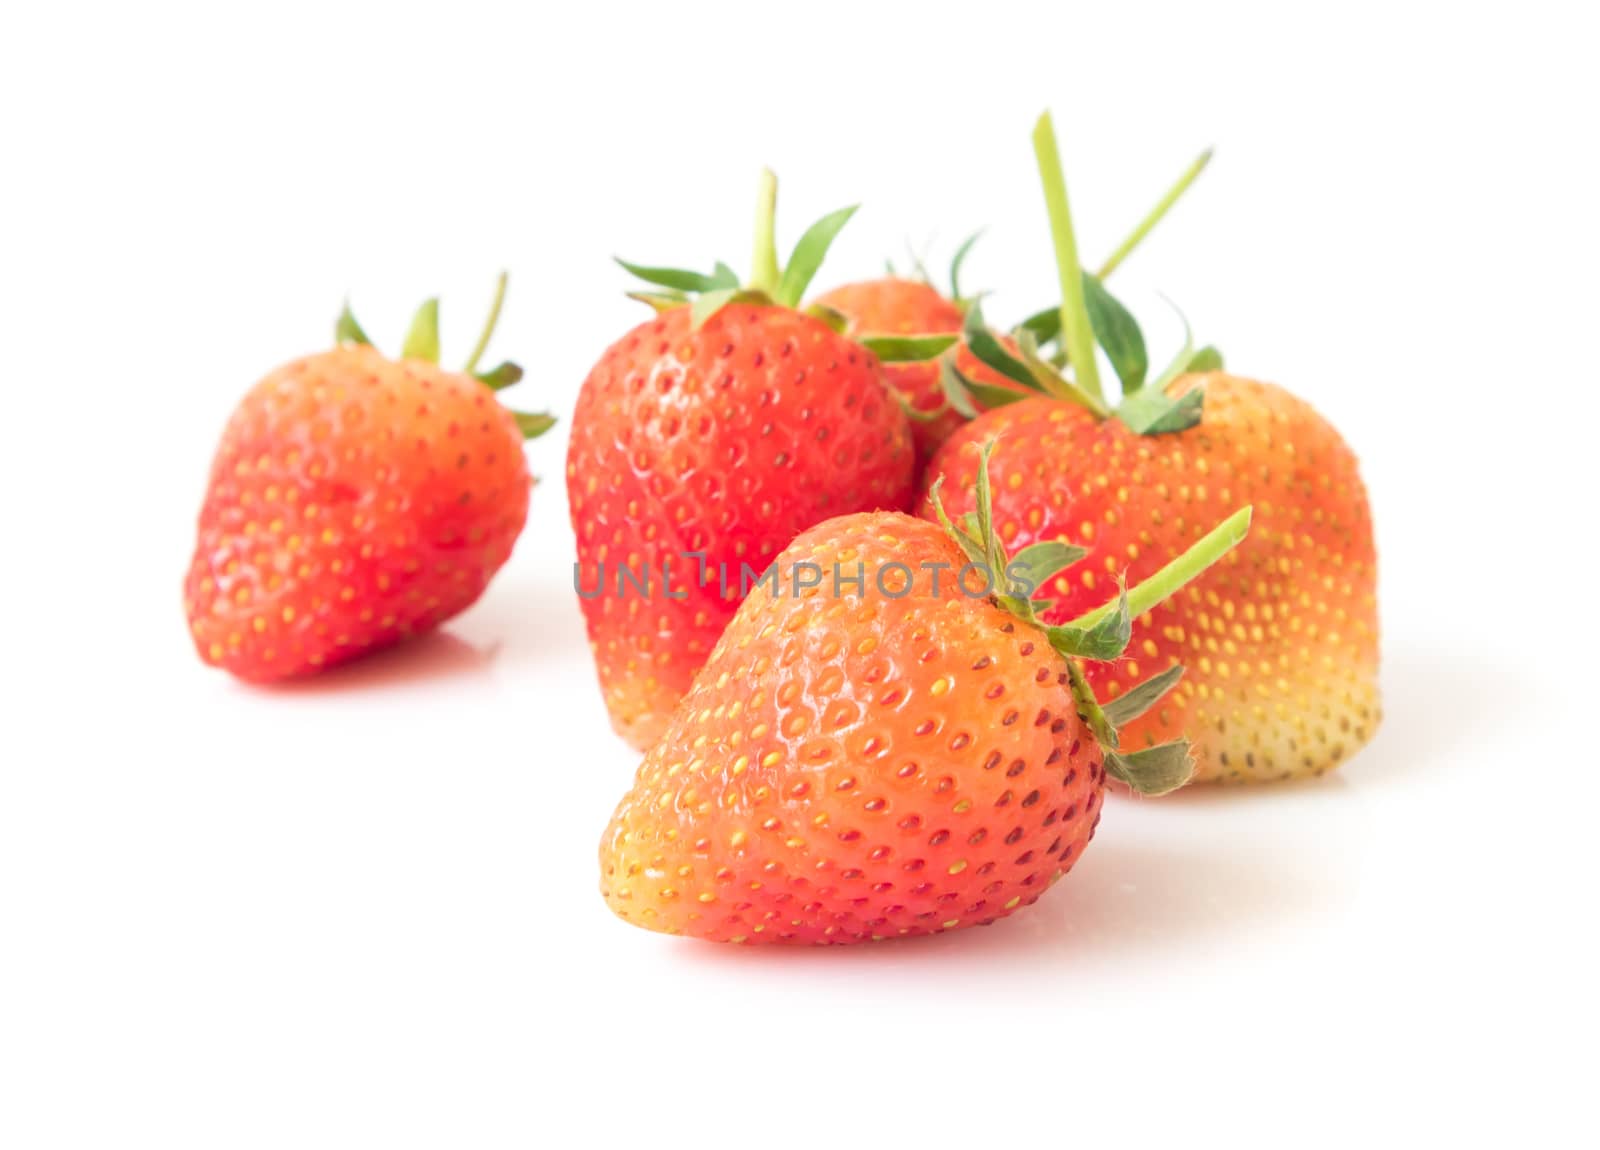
{"x":422,"y":343}
{"x":770,"y":282}
{"x":1100,"y":634}
{"x":1058,"y":348}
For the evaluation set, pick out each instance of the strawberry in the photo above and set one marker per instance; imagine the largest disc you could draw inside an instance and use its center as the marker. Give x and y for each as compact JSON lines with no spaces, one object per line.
{"x":891,"y":313}
{"x":902,"y":306}
{"x":886,"y":741}
{"x":702,"y":442}
{"x":1281,"y":641}
{"x":355,"y":500}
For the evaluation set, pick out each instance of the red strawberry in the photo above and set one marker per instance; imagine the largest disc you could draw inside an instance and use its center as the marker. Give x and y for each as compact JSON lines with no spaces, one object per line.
{"x":703,"y":441}
{"x":883,"y":312}
{"x":355,"y":500}
{"x":879,"y":311}
{"x":1281,"y":640}
{"x":883,"y":749}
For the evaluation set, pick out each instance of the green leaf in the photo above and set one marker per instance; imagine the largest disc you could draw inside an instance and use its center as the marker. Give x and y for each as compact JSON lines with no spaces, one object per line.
{"x":958,"y":389}
{"x":1118,"y":334}
{"x":499,"y":377}
{"x":836,"y":320}
{"x":660,"y":300}
{"x":992,"y":396}
{"x":724,"y":276}
{"x":709,"y":304}
{"x":907,"y":348}
{"x":1127,"y":707}
{"x":1185,"y":413}
{"x":1180,"y":362}
{"x":992,"y":353}
{"x":422,"y":341}
{"x":1105,"y":639}
{"x":347,"y":330}
{"x":969,"y":546}
{"x":1038,"y":563}
{"x":1057,"y":384}
{"x":1044,"y":325}
{"x":1187,"y":360}
{"x":958,"y":259}
{"x":808,"y":255}
{"x":1157,"y":770}
{"x":1154,"y":412}
{"x":678,"y":279}
{"x":994,"y":556}
{"x":533,"y":426}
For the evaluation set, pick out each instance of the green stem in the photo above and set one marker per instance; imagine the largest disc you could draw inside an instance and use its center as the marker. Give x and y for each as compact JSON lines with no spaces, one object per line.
{"x":1076,"y":333}
{"x":1167,"y":581}
{"x":764,"y":274}
{"x":488,"y":327}
{"x":422,"y":341}
{"x":1136,"y":237}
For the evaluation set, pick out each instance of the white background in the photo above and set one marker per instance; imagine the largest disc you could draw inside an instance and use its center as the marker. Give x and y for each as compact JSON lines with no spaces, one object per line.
{"x":364,"y":912}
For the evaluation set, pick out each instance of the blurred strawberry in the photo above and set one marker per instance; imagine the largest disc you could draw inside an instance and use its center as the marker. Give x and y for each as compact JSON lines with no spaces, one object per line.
{"x":703,"y":441}
{"x":1281,"y":639}
{"x":355,"y":500}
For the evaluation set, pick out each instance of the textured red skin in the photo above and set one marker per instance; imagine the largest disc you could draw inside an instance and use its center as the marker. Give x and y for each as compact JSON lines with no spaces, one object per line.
{"x":353,"y":501}
{"x":727,"y":442}
{"x":1279,"y":639}
{"x":852,"y":766}
{"x":893,"y":306}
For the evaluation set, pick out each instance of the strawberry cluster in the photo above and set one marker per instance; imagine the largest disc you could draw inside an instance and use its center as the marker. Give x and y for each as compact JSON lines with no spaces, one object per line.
{"x":886,"y":596}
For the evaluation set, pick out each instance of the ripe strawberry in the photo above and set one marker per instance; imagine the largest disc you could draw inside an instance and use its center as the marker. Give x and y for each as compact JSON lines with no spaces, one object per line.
{"x":355,"y":500}
{"x":1281,"y":640}
{"x":880,"y":748}
{"x":703,"y":441}
{"x":884,"y":313}
{"x":877,"y":312}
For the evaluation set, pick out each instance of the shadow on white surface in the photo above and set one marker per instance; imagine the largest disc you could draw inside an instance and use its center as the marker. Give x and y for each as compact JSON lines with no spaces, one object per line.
{"x":1128,"y":900}
{"x":1206,"y":795}
{"x":437,"y":655}
{"x":533,"y":619}
{"x":1140,"y":897}
{"x":1436,"y":701}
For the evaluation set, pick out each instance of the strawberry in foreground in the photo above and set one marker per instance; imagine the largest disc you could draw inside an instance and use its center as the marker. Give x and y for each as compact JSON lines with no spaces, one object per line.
{"x":941,"y":394}
{"x":900,"y":756}
{"x":1281,"y":640}
{"x":703,"y":441}
{"x":355,"y":500}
